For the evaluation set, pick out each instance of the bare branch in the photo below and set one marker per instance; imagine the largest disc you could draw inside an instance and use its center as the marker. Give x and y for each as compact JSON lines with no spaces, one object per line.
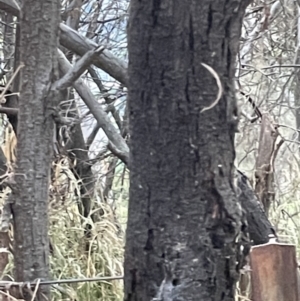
{"x":9,"y":111}
{"x":4,"y":91}
{"x":120,"y":147}
{"x":106,"y":61}
{"x":78,"y":44}
{"x":97,"y":80}
{"x":117,"y":152}
{"x":93,"y":135}
{"x":68,"y":9}
{"x":77,"y":70}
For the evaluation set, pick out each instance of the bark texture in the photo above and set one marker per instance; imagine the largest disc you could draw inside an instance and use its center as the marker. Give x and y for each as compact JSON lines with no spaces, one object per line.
{"x":39,"y":25}
{"x":259,"y":227}
{"x":184,"y":222}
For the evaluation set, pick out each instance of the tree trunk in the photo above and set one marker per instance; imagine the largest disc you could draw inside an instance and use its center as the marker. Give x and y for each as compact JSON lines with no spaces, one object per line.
{"x":184,"y":221}
{"x":39,"y":41}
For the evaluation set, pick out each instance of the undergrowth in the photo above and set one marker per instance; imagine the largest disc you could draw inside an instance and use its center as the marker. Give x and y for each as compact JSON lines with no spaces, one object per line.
{"x":73,"y":255}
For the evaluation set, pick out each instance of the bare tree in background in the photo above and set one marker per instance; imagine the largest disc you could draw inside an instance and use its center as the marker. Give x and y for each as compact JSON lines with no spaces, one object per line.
{"x":268,"y":73}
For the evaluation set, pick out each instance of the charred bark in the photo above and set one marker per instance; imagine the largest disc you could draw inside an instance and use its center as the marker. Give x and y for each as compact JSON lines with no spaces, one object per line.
{"x":35,"y":133}
{"x":184,"y":223}
{"x":259,"y":227}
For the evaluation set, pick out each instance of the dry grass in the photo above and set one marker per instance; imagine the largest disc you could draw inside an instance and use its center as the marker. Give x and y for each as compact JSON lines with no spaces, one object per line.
{"x":104,"y":256}
{"x":73,"y":256}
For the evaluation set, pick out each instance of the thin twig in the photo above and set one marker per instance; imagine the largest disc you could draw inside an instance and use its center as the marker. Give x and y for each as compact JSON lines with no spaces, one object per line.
{"x":36,"y":289}
{"x":10,"y":81}
{"x":9,"y":296}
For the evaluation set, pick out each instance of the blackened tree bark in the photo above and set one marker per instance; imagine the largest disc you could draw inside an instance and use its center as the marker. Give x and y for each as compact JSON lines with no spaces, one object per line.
{"x":184,"y":219}
{"x":39,"y":28}
{"x":259,"y":227}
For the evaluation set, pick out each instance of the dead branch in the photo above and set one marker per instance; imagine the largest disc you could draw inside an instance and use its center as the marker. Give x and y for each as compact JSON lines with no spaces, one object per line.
{"x":93,"y":135}
{"x":254,"y":106}
{"x":77,"y":70}
{"x":6,"y":88}
{"x":106,"y":61}
{"x":121,"y":148}
{"x":9,"y":111}
{"x":78,"y":44}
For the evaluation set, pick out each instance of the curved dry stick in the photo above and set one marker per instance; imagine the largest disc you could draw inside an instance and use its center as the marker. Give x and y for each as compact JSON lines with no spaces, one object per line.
{"x":220,"y":92}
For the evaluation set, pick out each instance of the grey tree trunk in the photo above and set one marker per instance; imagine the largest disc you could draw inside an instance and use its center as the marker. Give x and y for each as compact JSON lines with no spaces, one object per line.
{"x":184,"y":221}
{"x":39,"y":25}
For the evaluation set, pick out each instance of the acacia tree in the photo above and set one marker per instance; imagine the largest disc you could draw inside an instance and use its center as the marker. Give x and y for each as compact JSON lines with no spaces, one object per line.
{"x":184,"y":220}
{"x":38,"y":52}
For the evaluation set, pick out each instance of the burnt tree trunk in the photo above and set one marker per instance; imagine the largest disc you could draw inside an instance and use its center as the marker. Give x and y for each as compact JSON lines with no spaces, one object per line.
{"x":184,"y":219}
{"x":39,"y":25}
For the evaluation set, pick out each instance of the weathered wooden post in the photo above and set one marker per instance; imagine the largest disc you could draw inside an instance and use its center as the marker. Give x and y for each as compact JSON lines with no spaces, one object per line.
{"x":274,"y":275}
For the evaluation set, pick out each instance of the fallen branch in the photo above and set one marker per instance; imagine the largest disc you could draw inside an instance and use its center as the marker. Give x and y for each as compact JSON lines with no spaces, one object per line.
{"x":74,"y":41}
{"x":106,"y":61}
{"x":120,"y":147}
{"x":77,"y":70}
